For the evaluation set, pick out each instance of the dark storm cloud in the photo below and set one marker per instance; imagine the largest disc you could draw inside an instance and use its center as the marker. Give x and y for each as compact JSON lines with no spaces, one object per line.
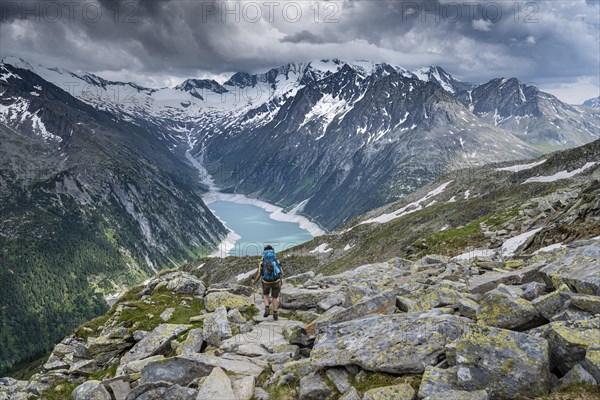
{"x":542,"y":41}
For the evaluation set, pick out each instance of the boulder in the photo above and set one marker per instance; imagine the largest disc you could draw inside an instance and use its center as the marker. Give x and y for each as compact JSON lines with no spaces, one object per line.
{"x":486,"y":282}
{"x":469,"y":308}
{"x":216,"y":386}
{"x":300,"y":278}
{"x":396,"y":392}
{"x":214,"y":300}
{"x":193,"y":342}
{"x":136,"y":367}
{"x":91,"y":390}
{"x":437,"y":380}
{"x":339,"y":378}
{"x":592,"y":362}
{"x":399,"y":343}
{"x":235,"y":317}
{"x":384,"y":303}
{"x":177,"y":370}
{"x":313,"y":387}
{"x":577,"y":268}
{"x":216,"y":327}
{"x":584,"y":302}
{"x":460,"y":395}
{"x":149,"y":391}
{"x":154,"y":343}
{"x":119,"y":388}
{"x":243,"y":388}
{"x":505,"y":363}
{"x":304,"y":299}
{"x":332,"y":300}
{"x":576,"y":376}
{"x":533,"y":290}
{"x":570,"y":340}
{"x":549,"y":305}
{"x":351,"y":394}
{"x":186,"y":284}
{"x":233,"y":364}
{"x":505,"y":311}
{"x":295,"y":333}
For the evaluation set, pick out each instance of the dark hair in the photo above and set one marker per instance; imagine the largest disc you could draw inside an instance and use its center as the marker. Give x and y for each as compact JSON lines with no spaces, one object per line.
{"x":268,"y":247}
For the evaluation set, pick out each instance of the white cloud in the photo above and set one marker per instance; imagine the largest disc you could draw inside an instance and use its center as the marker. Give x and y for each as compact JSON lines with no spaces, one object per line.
{"x":482,"y":25}
{"x":574,"y":92}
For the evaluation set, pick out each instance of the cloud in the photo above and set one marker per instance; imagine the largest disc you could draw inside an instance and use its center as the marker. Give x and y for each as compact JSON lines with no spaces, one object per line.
{"x":482,"y":25}
{"x":159,"y":41}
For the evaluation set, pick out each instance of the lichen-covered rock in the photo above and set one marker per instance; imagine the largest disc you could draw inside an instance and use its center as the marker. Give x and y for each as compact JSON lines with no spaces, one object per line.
{"x":351,"y":394}
{"x":193,"y":342}
{"x":339,"y":378}
{"x":155,"y":342}
{"x":584,"y":302}
{"x":216,"y":327}
{"x":570,"y":340}
{"x":505,"y":311}
{"x":383,"y":303}
{"x":186,"y":284}
{"x":177,"y":370}
{"x":484,"y":283}
{"x":214,"y":300}
{"x":437,"y":380}
{"x":334,"y":299}
{"x":66,"y":354}
{"x":304,"y":299}
{"x":295,"y":333}
{"x":313,"y":387}
{"x":395,"y":392}
{"x":460,"y":395}
{"x":576,"y":376}
{"x":533,"y":290}
{"x":243,"y":387}
{"x":216,"y":386}
{"x":399,"y":343}
{"x":592,"y":362}
{"x":469,"y":308}
{"x":577,"y":268}
{"x":136,"y":367}
{"x":549,"y":305}
{"x":91,"y":390}
{"x":505,"y":363}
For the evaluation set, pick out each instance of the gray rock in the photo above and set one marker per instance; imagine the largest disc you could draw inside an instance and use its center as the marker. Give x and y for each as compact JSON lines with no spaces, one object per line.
{"x":575,"y":376}
{"x":313,"y":387}
{"x":91,"y":390}
{"x":139,"y":335}
{"x":549,"y":305}
{"x":486,"y":282}
{"x":469,"y":308}
{"x":136,"y":367}
{"x":216,"y":386}
{"x":395,"y":392}
{"x":577,"y":268}
{"x":339,"y":378}
{"x":193,"y":342}
{"x":295,"y":333}
{"x":149,"y":391}
{"x":399,"y":343}
{"x":592,"y":362}
{"x":243,"y":388}
{"x":505,"y":311}
{"x":332,"y":300}
{"x":167,"y":314}
{"x":186,"y":284}
{"x":216,"y":327}
{"x":235,"y":317}
{"x":299,"y":279}
{"x":119,"y":388}
{"x":460,"y":395}
{"x":177,"y":370}
{"x":584,"y":302}
{"x":533,"y":290}
{"x":303,"y":299}
{"x":260,"y":394}
{"x":570,"y":340}
{"x":154,"y":343}
{"x":351,"y":394}
{"x":233,"y":364}
{"x":518,"y":365}
{"x":214,"y":300}
{"x":437,"y":380}
{"x":513,"y":291}
{"x":571,"y":314}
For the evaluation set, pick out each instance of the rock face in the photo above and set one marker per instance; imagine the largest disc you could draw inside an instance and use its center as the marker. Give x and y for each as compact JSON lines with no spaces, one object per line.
{"x":407,"y":343}
{"x":578,"y":270}
{"x":154,"y":342}
{"x":570,"y":340}
{"x":397,"y":392}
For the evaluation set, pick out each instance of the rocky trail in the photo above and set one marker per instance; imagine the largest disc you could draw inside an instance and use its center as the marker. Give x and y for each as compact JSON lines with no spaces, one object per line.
{"x":436,"y":328}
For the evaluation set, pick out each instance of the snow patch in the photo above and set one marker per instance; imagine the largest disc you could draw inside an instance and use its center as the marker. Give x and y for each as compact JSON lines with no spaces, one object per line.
{"x":561,"y":175}
{"x":510,"y":246}
{"x":521,"y":167}
{"x":322,"y":248}
{"x":479,"y":253}
{"x":245,"y":275}
{"x":347,"y":247}
{"x":552,"y":247}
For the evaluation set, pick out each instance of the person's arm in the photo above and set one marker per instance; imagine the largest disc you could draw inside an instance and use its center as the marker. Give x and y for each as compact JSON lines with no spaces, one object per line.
{"x":257,"y":277}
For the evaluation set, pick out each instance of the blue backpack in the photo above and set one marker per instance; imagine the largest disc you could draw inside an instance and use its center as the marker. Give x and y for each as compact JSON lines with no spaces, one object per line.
{"x":271,"y":271}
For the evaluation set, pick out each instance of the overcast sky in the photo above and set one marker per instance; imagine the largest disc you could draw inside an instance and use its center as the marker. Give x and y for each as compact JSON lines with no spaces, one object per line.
{"x":553,"y":44}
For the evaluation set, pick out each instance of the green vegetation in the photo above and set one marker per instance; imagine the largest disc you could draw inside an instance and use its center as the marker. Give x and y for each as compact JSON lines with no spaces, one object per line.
{"x":59,"y":392}
{"x":105,"y":373}
{"x":366,"y":381}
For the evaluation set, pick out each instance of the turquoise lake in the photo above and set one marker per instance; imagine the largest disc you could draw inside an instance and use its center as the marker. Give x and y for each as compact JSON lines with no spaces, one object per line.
{"x":257,"y":229}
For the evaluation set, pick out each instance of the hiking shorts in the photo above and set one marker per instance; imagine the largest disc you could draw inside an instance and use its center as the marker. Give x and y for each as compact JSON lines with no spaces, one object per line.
{"x":272,"y":289}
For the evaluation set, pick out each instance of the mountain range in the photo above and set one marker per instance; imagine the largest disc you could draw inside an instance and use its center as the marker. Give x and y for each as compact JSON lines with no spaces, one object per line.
{"x":97,"y":170}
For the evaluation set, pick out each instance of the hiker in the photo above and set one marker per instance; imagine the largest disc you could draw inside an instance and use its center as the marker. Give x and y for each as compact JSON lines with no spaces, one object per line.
{"x":271,"y":272}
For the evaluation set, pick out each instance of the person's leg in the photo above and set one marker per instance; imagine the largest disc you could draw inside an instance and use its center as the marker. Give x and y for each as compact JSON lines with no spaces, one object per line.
{"x":266,"y":292}
{"x":275,"y":300}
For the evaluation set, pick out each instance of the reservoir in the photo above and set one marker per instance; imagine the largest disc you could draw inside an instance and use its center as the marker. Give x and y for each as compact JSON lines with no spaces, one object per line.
{"x":254,"y":228}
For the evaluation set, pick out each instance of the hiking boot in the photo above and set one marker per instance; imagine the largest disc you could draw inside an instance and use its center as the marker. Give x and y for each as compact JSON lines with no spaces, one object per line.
{"x":275,"y":316}
{"x":266,"y":314}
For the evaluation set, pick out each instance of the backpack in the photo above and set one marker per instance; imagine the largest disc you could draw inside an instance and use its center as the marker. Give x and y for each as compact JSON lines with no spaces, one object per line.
{"x":271,"y":270}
